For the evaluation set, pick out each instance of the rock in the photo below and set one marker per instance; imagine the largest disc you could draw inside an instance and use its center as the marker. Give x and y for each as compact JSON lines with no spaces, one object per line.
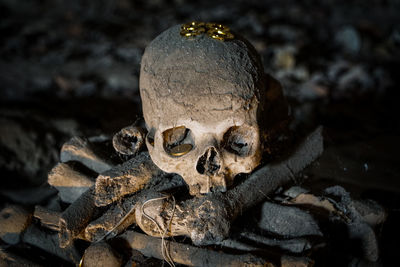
{"x":349,"y":40}
{"x":284,"y":58}
{"x":314,"y":88}
{"x":129,"y":53}
{"x":286,"y":32}
{"x":69,"y":182}
{"x":101,"y":254}
{"x":287,"y":221}
{"x":13,"y":221}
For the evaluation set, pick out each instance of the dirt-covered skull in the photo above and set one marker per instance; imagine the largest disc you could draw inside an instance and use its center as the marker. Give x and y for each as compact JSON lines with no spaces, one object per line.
{"x":204,"y":107}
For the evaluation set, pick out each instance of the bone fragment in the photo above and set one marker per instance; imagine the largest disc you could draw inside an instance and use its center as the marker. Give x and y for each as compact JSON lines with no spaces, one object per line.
{"x":48,"y":218}
{"x":49,"y":242}
{"x":76,"y":217}
{"x":114,"y":221}
{"x":13,"y":221}
{"x":124,"y":179}
{"x":101,"y":254}
{"x":189,"y":255}
{"x":129,"y":140}
{"x":294,"y":191}
{"x":314,"y":201}
{"x":70,"y":183}
{"x":287,"y":221}
{"x":80,"y":149}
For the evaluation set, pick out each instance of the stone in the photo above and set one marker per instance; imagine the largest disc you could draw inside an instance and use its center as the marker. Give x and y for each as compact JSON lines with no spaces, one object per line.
{"x":287,"y":221}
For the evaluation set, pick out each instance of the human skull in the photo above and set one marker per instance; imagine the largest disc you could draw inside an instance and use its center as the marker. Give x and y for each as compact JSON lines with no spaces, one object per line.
{"x":204,"y":106}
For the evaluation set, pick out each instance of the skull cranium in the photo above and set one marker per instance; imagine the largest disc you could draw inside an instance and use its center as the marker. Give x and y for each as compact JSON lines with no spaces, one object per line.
{"x":204,"y":104}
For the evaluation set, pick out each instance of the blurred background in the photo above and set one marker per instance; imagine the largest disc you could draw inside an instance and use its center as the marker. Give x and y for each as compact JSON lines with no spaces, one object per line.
{"x":70,"y":67}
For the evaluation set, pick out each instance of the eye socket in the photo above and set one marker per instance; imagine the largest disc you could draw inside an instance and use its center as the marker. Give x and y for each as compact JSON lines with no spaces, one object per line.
{"x":177,"y":141}
{"x":239,"y":140}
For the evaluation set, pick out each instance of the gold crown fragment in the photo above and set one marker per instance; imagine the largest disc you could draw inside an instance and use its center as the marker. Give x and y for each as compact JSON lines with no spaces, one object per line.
{"x":214,"y":30}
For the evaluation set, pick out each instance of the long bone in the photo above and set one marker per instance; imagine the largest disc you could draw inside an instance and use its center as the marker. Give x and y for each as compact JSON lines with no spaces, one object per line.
{"x":207,"y":220}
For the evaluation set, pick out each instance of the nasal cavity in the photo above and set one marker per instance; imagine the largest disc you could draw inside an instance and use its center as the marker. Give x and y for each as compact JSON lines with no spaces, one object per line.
{"x":209,"y":163}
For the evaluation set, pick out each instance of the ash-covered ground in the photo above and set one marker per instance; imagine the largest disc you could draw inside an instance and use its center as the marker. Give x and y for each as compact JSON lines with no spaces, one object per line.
{"x":71,"y":68}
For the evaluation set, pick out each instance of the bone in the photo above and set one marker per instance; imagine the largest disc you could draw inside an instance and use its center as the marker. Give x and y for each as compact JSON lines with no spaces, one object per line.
{"x":101,"y":254}
{"x":358,"y":228}
{"x":188,"y":255}
{"x":121,"y":214}
{"x":81,"y":150}
{"x":48,"y":219}
{"x":13,"y":221}
{"x":49,"y":242}
{"x":76,"y":217}
{"x":124,"y":179}
{"x":313,"y":201}
{"x":70,"y":182}
{"x":129,"y":141}
{"x":207,"y":220}
{"x":371,"y":212}
{"x":114,"y":221}
{"x":294,"y":245}
{"x":287,"y":221}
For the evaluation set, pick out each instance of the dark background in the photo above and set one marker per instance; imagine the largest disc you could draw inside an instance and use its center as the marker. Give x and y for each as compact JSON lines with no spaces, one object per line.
{"x":72,"y":67}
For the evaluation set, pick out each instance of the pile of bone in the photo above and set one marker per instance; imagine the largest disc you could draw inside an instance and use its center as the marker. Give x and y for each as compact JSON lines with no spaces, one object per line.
{"x":102,"y":201}
{"x":211,"y":113}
